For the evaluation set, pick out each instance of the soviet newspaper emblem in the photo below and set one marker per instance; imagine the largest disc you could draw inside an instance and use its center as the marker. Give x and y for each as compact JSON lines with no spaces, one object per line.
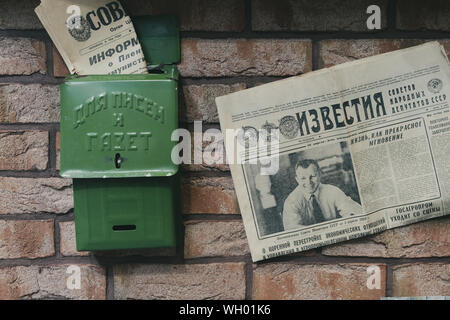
{"x":79,"y":28}
{"x":435,"y":85}
{"x":289,"y":127}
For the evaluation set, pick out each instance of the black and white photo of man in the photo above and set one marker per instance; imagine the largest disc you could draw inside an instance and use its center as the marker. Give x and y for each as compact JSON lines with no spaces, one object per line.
{"x":314,"y":202}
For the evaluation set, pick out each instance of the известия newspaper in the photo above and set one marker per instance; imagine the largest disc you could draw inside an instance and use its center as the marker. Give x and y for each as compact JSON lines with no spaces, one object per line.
{"x":363,"y":147}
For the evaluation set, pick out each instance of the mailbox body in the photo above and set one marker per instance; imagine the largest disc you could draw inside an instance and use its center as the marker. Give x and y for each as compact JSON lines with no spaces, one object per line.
{"x":116,"y":146}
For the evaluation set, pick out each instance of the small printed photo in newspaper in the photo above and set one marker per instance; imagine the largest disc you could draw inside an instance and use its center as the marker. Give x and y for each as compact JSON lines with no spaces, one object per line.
{"x":310,"y":187}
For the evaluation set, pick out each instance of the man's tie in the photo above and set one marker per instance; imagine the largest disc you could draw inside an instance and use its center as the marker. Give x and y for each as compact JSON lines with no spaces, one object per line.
{"x":317,"y":212}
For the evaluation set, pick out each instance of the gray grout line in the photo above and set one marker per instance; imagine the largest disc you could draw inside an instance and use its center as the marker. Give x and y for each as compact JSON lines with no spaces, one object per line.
{"x":389,"y":281}
{"x":49,"y":57}
{"x":49,"y":156}
{"x":49,"y":261}
{"x":31,"y":79}
{"x":315,"y":55}
{"x":57,"y":239}
{"x":248,"y":16}
{"x":29,"y":174}
{"x":318,"y":35}
{"x":249,"y":279}
{"x":104,"y":259}
{"x":70,"y":216}
{"x":217,"y":259}
{"x":204,"y":217}
{"x":29,"y":126}
{"x":53,"y":173}
{"x":49,"y":173}
{"x":392,"y":15}
{"x":392,"y":261}
{"x":59,"y":217}
{"x":64,"y":217}
{"x":390,"y":31}
{"x":51,"y":151}
{"x":109,"y":282}
{"x":30,"y":33}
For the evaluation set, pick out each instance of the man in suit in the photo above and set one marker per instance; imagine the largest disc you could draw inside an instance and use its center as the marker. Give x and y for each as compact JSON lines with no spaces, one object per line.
{"x":314,"y":202}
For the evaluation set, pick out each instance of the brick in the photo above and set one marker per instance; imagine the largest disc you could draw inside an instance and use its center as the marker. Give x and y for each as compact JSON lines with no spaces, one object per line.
{"x":30,"y":195}
{"x":195,"y":15}
{"x":244,"y":57}
{"x":424,"y":239}
{"x":58,"y":150}
{"x":292,"y":281}
{"x":203,"y":167}
{"x":305,"y":15}
{"x":67,"y":240}
{"x":215,"y":238}
{"x":50,"y":282}
{"x":22,"y":56}
{"x":219,"y":238}
{"x":410,"y":280}
{"x":209,"y":195}
{"x":206,"y":167}
{"x":423,"y":15}
{"x":26,"y":239}
{"x":59,"y":66}
{"x":19,"y":15}
{"x":221,"y":281}
{"x":217,"y":162}
{"x":334,"y":52}
{"x":199,"y":101}
{"x":15,"y":106}
{"x":23,"y":150}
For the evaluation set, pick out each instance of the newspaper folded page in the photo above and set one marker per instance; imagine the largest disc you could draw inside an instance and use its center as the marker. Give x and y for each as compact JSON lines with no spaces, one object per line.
{"x":341,"y":153}
{"x":93,"y":36}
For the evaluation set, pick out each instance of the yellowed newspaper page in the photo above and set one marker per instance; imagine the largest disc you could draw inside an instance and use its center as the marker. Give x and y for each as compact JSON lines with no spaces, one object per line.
{"x":361,"y":147}
{"x":93,"y":37}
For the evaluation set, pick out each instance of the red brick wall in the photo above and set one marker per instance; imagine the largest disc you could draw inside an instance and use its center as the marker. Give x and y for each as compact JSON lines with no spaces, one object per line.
{"x":226,"y":46}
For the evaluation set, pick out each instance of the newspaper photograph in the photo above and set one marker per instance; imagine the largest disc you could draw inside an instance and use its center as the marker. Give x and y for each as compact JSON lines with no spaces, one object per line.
{"x":93,"y":36}
{"x":342,"y":152}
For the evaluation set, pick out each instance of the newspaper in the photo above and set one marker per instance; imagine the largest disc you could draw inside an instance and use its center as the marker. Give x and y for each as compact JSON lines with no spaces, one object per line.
{"x":363,"y":147}
{"x":93,"y":36}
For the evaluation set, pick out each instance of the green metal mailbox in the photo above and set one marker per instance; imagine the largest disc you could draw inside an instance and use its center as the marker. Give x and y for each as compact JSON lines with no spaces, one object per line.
{"x":116,"y":145}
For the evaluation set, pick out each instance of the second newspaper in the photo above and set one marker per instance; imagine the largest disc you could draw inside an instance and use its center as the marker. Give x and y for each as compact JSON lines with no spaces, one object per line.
{"x":342,"y":152}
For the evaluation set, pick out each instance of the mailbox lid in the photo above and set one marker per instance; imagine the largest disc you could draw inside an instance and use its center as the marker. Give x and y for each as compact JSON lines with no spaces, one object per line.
{"x":159,"y":37}
{"x":118,"y":126}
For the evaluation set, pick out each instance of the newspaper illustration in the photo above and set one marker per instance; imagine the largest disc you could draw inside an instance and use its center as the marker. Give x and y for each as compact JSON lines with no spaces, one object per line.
{"x":93,"y":36}
{"x":362,"y":147}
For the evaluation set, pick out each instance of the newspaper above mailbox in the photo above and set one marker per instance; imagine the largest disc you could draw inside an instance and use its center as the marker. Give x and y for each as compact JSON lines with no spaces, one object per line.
{"x":93,"y":36}
{"x":361,"y":147}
